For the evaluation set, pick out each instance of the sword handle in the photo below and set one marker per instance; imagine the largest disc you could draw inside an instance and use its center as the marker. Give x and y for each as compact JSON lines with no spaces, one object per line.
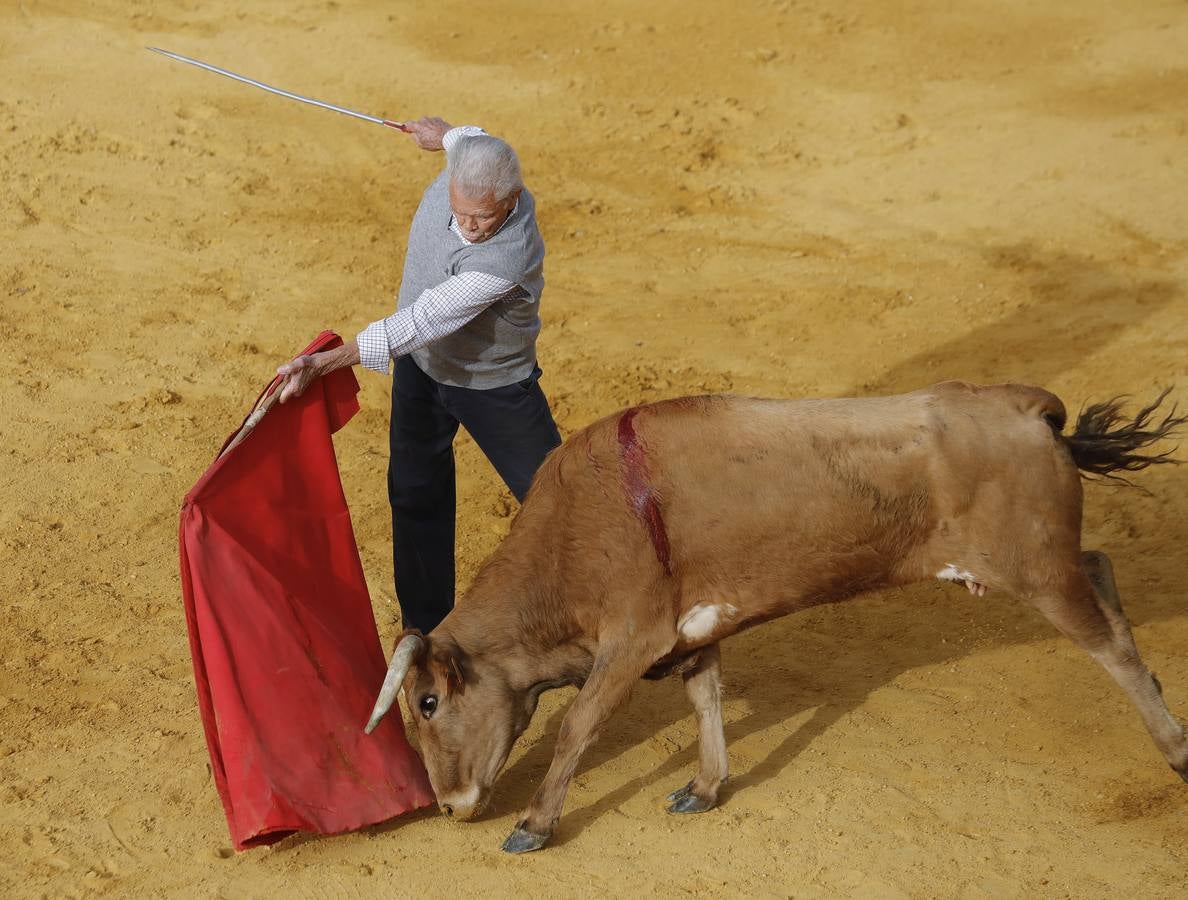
{"x":399,"y":126}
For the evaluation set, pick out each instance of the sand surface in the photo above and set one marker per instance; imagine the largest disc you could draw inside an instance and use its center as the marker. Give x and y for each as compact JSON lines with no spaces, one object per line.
{"x":797,"y":198}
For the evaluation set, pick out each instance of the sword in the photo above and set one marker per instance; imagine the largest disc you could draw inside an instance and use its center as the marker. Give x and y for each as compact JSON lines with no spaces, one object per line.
{"x":399,"y":126}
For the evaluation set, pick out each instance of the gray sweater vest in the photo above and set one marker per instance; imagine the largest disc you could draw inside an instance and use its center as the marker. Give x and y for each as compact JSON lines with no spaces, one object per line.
{"x":498,"y":346}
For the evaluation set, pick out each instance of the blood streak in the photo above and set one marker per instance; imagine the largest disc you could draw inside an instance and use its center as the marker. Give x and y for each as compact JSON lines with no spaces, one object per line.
{"x":637,"y":486}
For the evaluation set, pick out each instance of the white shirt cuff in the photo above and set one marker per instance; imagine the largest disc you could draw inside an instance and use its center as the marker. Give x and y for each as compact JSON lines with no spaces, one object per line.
{"x":373,"y":348}
{"x":451,"y":137}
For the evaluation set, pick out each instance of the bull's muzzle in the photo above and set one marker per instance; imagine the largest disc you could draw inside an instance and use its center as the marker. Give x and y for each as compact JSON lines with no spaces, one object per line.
{"x":463,"y":805}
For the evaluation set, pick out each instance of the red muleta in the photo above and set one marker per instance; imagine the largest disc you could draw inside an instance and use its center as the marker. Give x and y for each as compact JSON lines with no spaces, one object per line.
{"x":286,"y":653}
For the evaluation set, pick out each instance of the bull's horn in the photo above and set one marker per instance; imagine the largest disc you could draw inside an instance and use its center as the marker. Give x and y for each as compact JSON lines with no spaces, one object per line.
{"x":406,"y":651}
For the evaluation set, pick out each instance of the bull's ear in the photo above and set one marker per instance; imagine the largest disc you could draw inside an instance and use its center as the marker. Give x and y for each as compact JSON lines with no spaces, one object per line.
{"x":447,"y":664}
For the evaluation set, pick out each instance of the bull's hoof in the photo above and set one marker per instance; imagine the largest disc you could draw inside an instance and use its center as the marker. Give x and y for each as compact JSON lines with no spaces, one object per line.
{"x":690,"y":803}
{"x":1183,"y":773}
{"x":521,"y":841}
{"x":680,"y":793}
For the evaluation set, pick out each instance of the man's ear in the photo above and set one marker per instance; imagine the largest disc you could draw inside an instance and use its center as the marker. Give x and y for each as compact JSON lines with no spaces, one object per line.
{"x":447,"y":665}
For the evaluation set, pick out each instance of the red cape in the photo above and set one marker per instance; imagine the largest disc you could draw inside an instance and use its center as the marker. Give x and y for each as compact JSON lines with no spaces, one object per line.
{"x":287,"y":659}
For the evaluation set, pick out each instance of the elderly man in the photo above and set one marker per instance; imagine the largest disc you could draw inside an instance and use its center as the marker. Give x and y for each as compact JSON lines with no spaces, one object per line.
{"x":463,"y":338}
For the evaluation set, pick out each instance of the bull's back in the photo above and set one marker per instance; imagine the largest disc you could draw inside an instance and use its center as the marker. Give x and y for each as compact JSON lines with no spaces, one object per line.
{"x":791,"y":498}
{"x":811,"y":500}
{"x":776,"y":504}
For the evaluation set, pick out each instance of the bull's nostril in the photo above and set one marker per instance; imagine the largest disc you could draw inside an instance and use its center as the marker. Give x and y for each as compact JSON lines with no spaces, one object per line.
{"x":448,"y":810}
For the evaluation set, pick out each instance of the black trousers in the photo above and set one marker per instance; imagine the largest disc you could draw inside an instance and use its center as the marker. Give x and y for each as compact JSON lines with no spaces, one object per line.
{"x":512,"y":426}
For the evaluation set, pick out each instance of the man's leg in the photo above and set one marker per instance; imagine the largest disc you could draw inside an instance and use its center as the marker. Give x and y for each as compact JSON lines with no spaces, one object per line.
{"x":421,"y":491}
{"x":512,"y":425}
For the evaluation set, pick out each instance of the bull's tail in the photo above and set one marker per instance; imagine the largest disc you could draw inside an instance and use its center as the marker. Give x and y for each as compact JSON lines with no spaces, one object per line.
{"x":1105,"y":441}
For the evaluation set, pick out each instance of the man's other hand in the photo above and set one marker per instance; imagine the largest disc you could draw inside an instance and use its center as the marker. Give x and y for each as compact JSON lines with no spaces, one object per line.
{"x":302,"y":372}
{"x":428,"y":132}
{"x":306,"y":369}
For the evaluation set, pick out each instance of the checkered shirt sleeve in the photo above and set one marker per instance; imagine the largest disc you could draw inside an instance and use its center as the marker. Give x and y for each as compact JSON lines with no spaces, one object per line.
{"x":439,"y":311}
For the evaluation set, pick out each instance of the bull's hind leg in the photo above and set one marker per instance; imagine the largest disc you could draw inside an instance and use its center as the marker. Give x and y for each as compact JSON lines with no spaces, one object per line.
{"x":1089,"y":612}
{"x":703,"y":684}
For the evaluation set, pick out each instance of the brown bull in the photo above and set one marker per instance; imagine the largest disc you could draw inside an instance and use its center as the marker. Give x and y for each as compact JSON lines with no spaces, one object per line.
{"x":652,"y":535}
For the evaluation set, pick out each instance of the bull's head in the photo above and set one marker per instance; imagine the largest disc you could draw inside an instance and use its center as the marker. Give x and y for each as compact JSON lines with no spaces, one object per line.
{"x":468,"y":717}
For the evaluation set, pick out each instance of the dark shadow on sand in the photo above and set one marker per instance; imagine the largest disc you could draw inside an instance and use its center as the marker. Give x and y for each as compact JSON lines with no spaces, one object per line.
{"x":1072,"y":306}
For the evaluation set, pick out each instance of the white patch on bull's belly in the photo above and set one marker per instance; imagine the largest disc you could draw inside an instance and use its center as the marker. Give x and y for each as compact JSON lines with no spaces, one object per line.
{"x":952,"y":573}
{"x":702,"y":620}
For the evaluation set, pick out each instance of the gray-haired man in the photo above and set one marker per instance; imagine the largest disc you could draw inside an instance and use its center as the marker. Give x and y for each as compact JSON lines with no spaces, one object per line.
{"x":463,"y":338}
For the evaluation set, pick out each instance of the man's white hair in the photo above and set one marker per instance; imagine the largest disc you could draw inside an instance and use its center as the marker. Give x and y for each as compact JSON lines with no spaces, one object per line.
{"x":481,"y":165}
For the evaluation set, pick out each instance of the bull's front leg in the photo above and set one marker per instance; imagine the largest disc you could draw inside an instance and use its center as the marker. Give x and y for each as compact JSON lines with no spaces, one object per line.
{"x":703,"y":684}
{"x":613,"y":675}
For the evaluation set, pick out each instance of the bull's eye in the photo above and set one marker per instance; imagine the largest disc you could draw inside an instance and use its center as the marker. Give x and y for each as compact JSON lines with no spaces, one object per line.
{"x":428,"y":705}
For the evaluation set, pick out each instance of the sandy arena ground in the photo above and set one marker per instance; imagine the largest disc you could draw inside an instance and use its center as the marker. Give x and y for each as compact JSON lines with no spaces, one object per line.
{"x":796,"y":198}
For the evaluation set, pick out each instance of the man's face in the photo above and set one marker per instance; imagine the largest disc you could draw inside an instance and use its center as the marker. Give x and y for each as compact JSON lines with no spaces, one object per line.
{"x":480,"y":217}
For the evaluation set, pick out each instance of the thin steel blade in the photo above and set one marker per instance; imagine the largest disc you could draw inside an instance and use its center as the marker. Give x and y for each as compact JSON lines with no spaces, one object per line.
{"x":275,"y":90}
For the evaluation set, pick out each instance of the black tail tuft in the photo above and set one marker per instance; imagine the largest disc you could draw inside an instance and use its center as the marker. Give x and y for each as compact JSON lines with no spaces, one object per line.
{"x":1105,"y":441}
